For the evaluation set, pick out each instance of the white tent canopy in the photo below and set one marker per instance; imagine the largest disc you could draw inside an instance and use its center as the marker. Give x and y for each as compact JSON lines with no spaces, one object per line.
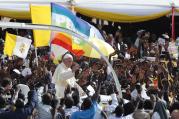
{"x":112,"y":10}
{"x":129,"y":7}
{"x":124,"y":10}
{"x":20,"y":9}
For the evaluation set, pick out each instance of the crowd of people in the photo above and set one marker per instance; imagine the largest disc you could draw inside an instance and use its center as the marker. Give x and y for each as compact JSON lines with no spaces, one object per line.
{"x":84,"y":88}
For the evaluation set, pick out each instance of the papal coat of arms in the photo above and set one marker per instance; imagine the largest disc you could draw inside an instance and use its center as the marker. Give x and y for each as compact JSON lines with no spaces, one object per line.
{"x":22,"y":48}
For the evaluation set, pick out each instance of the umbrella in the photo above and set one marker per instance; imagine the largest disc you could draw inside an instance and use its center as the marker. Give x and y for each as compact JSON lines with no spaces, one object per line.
{"x":104,"y":47}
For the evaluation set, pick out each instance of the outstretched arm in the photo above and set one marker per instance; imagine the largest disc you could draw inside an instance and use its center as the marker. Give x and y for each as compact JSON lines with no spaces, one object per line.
{"x":97,"y":92}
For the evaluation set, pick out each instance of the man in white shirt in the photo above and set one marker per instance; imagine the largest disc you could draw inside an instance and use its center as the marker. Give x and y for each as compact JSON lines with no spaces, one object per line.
{"x":136,"y":44}
{"x":63,"y":75}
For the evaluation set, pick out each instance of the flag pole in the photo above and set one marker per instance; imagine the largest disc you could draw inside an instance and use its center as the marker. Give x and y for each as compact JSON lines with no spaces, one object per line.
{"x":36,"y":58}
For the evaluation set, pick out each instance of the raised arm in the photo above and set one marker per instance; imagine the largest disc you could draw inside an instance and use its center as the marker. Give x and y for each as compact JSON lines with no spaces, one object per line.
{"x":97,"y":92}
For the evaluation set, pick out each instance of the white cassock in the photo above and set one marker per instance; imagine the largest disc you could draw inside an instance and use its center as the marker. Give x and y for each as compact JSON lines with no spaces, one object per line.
{"x":62,"y":77}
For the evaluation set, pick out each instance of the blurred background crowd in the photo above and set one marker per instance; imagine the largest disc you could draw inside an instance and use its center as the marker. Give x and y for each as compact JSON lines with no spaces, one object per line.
{"x":146,"y":69}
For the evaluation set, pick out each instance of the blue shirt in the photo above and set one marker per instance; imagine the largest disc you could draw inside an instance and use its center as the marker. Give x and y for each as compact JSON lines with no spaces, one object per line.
{"x":85,"y":114}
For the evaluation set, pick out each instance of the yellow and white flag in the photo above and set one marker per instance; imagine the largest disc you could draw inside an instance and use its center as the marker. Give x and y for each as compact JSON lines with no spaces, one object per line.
{"x":16,"y":45}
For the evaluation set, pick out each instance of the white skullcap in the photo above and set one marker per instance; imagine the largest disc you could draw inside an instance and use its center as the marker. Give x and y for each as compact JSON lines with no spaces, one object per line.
{"x":66,"y":56}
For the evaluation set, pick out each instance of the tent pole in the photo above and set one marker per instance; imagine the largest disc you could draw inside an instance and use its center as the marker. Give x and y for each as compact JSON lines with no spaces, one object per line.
{"x":173,"y":23}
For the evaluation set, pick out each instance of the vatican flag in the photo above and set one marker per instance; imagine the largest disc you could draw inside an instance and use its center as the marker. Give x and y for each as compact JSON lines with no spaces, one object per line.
{"x":16,"y":45}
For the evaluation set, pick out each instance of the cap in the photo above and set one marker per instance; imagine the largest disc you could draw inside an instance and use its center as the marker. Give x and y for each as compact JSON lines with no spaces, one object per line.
{"x":140,"y":31}
{"x":165,"y":36}
{"x":66,"y":56}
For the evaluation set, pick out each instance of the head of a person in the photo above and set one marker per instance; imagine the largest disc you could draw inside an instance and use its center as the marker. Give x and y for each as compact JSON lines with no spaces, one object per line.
{"x":139,"y":33}
{"x":55,"y":103}
{"x":47,"y":99}
{"x":76,"y":99}
{"x":30,"y":95}
{"x":84,"y":65}
{"x":87,"y":71}
{"x":100,"y":26}
{"x":128,"y":108}
{"x":75,"y":66}
{"x":21,"y":96}
{"x":119,"y":111}
{"x":145,"y":35}
{"x":148,"y":105}
{"x":140,"y":105}
{"x":153,"y":37}
{"x":2,"y":102}
{"x":153,"y":97}
{"x":138,"y":88}
{"x":86,"y":104}
{"x":6,"y":84}
{"x":104,"y":91}
{"x":118,"y":34}
{"x":19,"y":62}
{"x":175,"y":106}
{"x":110,"y":37}
{"x":19,"y":103}
{"x":95,"y":66}
{"x":22,"y":32}
{"x":62,"y":101}
{"x":67,"y":59}
{"x":166,"y":37}
{"x":69,"y":102}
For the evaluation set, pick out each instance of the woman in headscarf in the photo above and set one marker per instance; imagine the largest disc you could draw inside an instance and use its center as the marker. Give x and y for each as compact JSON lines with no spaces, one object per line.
{"x":160,"y":111}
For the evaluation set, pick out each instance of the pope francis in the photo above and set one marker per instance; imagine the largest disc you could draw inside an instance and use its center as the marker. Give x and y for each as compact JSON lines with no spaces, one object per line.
{"x":63,"y":75}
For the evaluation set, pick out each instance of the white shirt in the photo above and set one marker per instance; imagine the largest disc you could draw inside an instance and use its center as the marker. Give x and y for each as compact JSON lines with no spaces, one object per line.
{"x":144,"y":93}
{"x":98,"y":112}
{"x":137,"y":42}
{"x":111,"y":108}
{"x":44,"y":111}
{"x":130,"y":116}
{"x":127,"y":56}
{"x":114,"y":117}
{"x":26,"y":63}
{"x":69,"y":111}
{"x":134,"y":94}
{"x":26,"y":72}
{"x":155,"y":116}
